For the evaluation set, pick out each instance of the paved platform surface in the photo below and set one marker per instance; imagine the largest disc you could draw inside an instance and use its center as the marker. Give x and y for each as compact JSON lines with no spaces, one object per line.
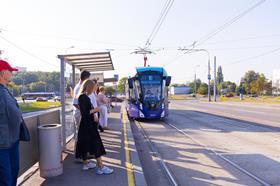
{"x":121,"y":155}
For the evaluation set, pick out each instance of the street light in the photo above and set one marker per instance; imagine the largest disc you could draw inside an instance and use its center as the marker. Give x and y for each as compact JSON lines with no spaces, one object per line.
{"x":191,"y":50}
{"x":195,"y":79}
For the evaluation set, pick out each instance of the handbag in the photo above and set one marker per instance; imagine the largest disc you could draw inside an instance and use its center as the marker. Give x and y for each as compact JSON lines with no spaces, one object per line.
{"x":24,"y":134}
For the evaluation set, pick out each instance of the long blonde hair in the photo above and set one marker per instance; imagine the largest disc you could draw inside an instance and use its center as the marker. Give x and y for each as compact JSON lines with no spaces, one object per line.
{"x":87,"y":87}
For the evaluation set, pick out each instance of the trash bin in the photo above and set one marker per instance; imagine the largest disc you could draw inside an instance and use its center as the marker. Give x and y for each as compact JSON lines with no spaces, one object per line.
{"x":50,"y":150}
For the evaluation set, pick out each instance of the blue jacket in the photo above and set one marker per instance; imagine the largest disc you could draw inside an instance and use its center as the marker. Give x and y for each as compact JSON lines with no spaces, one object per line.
{"x":10,"y":118}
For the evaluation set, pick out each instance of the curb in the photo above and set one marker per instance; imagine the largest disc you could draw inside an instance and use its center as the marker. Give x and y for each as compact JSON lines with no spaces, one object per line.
{"x":138,"y":174}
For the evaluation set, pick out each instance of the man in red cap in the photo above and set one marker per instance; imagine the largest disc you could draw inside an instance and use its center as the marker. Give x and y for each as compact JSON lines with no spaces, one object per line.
{"x":10,"y":120}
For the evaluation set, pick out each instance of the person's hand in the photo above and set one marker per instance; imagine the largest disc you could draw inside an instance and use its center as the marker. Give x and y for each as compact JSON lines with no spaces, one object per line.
{"x":95,"y":118}
{"x":97,"y":109}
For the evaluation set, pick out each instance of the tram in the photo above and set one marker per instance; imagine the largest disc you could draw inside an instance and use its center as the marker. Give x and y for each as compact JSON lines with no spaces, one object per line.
{"x":147,"y":93}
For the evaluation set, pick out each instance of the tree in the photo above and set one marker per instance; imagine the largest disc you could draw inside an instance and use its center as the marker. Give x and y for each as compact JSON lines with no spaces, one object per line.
{"x":220,"y":76}
{"x":25,"y":79}
{"x":192,"y":85}
{"x":110,"y":90}
{"x":248,"y":79}
{"x":203,"y":89}
{"x":39,"y":86}
{"x":268,"y":87}
{"x":227,"y":86}
{"x":121,"y":85}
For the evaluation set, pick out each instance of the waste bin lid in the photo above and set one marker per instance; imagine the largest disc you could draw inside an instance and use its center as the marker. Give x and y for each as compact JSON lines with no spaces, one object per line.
{"x":49,"y":126}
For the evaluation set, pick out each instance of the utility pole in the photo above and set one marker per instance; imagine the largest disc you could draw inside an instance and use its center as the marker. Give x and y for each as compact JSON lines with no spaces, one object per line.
{"x":190,"y":50}
{"x":209,"y":78}
{"x":195,"y":80}
{"x":194,"y":84}
{"x":215,"y":85}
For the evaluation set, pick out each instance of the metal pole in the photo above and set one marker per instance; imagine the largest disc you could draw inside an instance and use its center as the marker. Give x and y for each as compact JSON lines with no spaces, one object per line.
{"x":209,"y":78}
{"x":195,"y":83}
{"x":73,"y":76}
{"x":62,"y":97}
{"x":215,"y":86}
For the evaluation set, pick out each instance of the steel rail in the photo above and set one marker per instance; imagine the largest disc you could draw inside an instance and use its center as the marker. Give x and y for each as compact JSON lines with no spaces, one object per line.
{"x":220,"y":156}
{"x":168,"y":173}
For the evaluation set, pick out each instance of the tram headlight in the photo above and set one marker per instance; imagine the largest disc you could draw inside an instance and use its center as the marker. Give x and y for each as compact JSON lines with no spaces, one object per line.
{"x":162,"y":105}
{"x":141,"y":114}
{"x":162,"y":114}
{"x":141,"y":106}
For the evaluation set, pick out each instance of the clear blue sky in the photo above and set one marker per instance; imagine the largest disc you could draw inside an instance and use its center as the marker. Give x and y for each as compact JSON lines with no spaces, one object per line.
{"x":44,"y":29}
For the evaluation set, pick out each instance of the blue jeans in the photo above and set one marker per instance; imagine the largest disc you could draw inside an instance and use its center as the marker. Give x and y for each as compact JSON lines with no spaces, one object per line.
{"x":9,"y":165}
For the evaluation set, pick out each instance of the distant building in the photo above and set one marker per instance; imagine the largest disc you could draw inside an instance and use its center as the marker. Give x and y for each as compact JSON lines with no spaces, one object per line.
{"x":21,"y":69}
{"x":276,"y":82}
{"x":99,"y":77}
{"x":180,"y":90}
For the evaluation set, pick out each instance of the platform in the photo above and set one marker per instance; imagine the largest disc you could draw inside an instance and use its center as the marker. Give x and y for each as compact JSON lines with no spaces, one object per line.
{"x":121,"y":155}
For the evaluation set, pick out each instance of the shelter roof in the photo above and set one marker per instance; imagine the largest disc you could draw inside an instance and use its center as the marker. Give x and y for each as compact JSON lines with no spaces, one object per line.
{"x":92,"y":62}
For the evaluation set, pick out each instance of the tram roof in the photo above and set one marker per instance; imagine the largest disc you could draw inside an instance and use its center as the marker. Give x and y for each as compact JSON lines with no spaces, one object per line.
{"x":158,"y":69}
{"x":99,"y":61}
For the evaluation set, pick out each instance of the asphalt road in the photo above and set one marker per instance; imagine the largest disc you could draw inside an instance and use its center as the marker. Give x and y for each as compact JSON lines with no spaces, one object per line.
{"x":263,"y":114}
{"x":247,"y":137}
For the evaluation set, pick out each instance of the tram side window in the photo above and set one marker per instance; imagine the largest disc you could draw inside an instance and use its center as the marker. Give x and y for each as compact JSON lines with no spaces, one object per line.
{"x":138,"y":89}
{"x":163,"y":89}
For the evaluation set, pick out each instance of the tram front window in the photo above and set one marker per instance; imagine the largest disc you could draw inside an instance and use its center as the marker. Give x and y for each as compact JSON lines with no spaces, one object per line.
{"x":151,"y":88}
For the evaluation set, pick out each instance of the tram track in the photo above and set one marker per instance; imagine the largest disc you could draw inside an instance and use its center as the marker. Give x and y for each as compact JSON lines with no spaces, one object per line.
{"x":170,"y":174}
{"x":256,"y":178}
{"x":156,"y":153}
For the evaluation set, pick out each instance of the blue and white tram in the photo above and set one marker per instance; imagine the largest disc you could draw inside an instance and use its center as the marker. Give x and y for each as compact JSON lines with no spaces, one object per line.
{"x":147,"y":93}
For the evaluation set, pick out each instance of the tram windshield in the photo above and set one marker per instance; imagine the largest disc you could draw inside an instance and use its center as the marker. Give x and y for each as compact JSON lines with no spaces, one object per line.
{"x":151,"y":87}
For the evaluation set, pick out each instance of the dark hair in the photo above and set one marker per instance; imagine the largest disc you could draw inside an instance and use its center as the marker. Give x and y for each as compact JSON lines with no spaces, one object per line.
{"x":95,"y":81}
{"x":85,"y":75}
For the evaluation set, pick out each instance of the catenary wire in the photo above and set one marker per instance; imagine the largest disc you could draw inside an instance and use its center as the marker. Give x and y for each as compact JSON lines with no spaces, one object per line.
{"x":27,"y":52}
{"x":228,"y":23}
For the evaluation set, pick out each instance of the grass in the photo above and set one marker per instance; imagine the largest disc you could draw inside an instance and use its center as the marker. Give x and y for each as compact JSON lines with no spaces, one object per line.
{"x":34,"y":106}
{"x":180,"y":97}
{"x":261,"y":99}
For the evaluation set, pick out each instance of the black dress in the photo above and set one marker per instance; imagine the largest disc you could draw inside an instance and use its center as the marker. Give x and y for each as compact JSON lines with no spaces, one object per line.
{"x":89,"y":142}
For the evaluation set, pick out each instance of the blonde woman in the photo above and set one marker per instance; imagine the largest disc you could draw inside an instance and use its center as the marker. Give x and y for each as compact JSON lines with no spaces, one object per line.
{"x":102,"y":102}
{"x":89,"y":142}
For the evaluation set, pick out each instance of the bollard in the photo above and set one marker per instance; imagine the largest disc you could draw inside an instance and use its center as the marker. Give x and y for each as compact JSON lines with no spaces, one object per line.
{"x":50,"y":162}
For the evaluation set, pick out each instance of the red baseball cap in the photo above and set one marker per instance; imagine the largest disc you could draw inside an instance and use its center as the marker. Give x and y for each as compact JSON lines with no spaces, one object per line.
{"x":4,"y":65}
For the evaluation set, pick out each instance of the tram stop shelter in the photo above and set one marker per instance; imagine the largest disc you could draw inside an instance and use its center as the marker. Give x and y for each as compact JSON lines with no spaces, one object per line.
{"x":92,"y":62}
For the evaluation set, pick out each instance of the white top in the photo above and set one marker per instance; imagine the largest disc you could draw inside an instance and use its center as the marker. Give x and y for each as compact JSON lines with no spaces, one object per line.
{"x":75,"y":94}
{"x":102,"y":99}
{"x":76,"y":90}
{"x":93,"y":101}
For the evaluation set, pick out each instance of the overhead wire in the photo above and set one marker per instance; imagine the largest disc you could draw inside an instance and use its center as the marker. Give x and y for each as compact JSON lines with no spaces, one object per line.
{"x":67,"y":37}
{"x":253,"y":57}
{"x":242,"y":39}
{"x":162,"y":17}
{"x":221,"y":28}
{"x":228,"y":23}
{"x":27,"y":52}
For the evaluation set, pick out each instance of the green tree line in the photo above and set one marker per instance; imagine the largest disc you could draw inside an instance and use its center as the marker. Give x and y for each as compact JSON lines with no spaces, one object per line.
{"x":251,"y":83}
{"x":35,"y":82}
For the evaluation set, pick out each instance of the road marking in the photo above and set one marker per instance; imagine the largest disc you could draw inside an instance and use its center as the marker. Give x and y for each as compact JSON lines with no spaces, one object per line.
{"x":128,"y":164}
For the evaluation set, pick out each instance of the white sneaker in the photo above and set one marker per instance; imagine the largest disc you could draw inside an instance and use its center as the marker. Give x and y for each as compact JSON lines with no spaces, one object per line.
{"x":104,"y":170}
{"x":89,"y":165}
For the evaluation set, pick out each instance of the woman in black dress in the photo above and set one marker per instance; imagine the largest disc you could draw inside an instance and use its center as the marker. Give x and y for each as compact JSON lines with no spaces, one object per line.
{"x":89,"y":142}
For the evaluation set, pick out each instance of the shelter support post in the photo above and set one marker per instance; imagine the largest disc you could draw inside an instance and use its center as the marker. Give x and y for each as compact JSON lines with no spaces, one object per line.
{"x":62,"y":95}
{"x":73,"y":76}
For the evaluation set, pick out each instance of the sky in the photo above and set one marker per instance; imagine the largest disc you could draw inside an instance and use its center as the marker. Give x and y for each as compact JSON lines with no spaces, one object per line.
{"x":33,"y":33}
